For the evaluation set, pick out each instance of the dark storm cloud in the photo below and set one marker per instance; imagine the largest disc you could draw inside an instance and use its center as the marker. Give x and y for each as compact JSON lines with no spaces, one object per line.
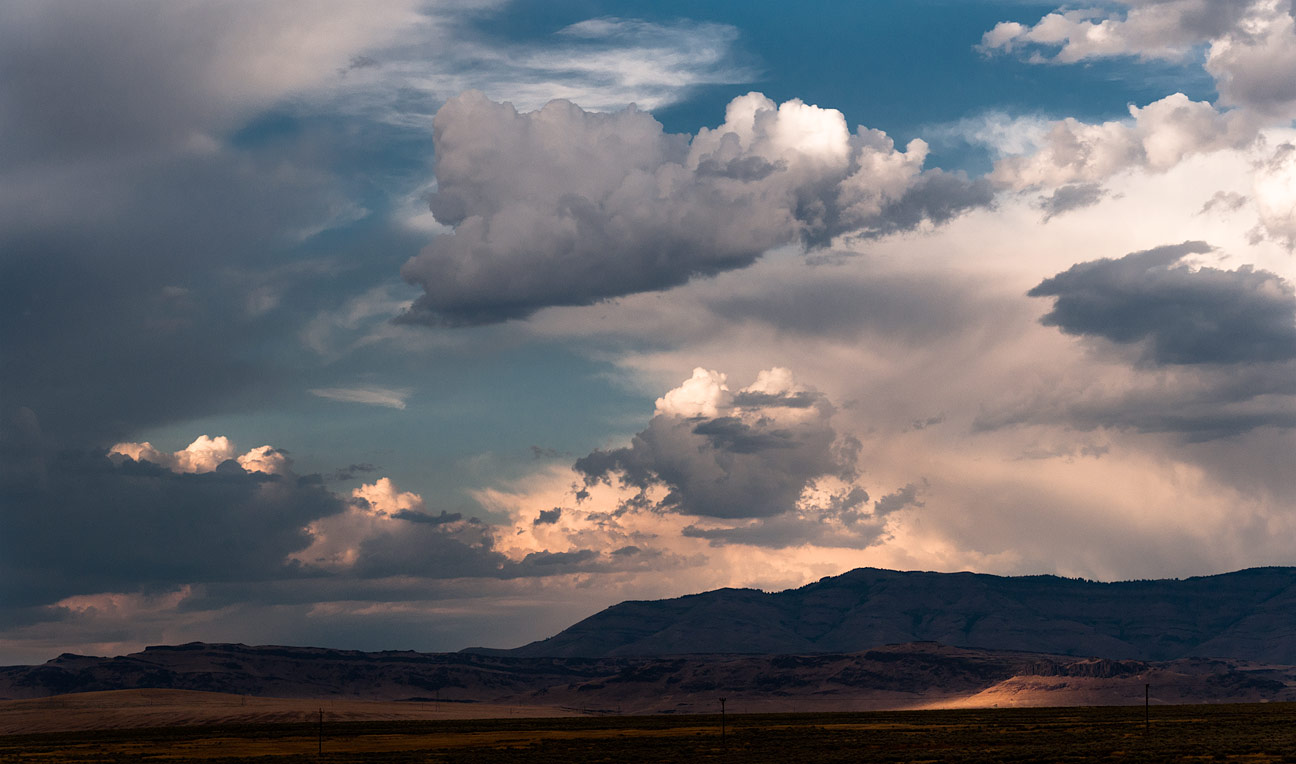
{"x":567,"y":207}
{"x":76,"y":523}
{"x":1184,"y":315}
{"x":146,"y":290}
{"x":146,"y":252}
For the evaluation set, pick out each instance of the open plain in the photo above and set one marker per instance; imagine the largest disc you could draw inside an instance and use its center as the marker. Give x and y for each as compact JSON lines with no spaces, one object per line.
{"x":1258,"y":733}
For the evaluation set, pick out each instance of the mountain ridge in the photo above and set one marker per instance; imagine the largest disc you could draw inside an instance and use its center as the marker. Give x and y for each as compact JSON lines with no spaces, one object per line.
{"x":1248,"y":614}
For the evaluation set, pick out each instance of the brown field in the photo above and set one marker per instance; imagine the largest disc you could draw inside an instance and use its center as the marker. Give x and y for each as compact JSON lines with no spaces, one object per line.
{"x":1260,"y":733}
{"x":130,"y":709}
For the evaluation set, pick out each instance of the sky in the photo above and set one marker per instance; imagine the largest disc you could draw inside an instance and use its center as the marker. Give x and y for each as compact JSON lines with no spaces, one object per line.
{"x":427,"y":325}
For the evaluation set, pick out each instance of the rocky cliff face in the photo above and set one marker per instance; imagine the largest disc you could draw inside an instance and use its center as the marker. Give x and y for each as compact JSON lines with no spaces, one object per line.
{"x":1249,"y":614}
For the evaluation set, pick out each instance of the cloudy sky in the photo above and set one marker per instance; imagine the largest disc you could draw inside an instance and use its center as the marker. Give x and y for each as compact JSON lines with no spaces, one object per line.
{"x":436,"y":324}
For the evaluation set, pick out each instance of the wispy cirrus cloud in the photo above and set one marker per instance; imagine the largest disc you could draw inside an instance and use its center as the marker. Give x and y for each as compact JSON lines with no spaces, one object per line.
{"x":390,"y":397}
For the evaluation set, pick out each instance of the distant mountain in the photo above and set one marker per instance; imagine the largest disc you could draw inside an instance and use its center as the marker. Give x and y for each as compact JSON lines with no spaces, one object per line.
{"x":896,"y":676}
{"x":866,"y":639}
{"x":1249,"y":614}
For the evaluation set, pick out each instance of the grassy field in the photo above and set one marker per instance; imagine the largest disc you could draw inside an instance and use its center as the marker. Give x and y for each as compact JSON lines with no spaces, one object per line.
{"x":1217,"y":733}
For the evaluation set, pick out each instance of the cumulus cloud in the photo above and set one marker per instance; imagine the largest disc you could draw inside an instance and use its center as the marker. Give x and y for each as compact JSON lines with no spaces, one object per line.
{"x":1254,"y":63}
{"x":1182,"y":314}
{"x":755,"y":453}
{"x":386,"y":532}
{"x":205,"y":454}
{"x":1156,"y":138}
{"x":1250,"y":44}
{"x":567,"y":207}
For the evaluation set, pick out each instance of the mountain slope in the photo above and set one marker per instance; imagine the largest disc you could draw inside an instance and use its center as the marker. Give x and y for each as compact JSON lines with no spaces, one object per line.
{"x":1248,"y":614}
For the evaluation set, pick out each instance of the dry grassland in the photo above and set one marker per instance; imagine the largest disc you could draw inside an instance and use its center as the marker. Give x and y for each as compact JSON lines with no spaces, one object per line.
{"x":1259,"y":733}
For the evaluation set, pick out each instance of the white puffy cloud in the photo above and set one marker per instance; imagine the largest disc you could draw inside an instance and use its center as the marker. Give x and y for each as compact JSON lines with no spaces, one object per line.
{"x":1250,"y":44}
{"x":265,"y":459}
{"x":1149,"y":29}
{"x":1156,"y":138}
{"x":204,"y":454}
{"x":704,"y":394}
{"x":565,"y":207}
{"x":383,"y":498}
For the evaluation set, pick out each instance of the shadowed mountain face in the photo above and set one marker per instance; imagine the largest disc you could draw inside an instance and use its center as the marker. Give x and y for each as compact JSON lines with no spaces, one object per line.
{"x":1249,"y":614}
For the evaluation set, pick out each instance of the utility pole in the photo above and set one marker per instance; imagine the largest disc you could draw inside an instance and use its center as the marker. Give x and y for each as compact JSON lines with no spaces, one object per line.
{"x":723,"y":744}
{"x":1147,"y":707}
{"x":321,"y":732}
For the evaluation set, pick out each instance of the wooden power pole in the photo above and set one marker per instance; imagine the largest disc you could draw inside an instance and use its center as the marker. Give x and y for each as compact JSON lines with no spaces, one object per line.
{"x":1147,"y":707}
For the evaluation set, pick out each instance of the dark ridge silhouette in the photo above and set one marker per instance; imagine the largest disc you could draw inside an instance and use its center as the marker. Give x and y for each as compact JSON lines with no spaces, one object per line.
{"x":1249,"y":614}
